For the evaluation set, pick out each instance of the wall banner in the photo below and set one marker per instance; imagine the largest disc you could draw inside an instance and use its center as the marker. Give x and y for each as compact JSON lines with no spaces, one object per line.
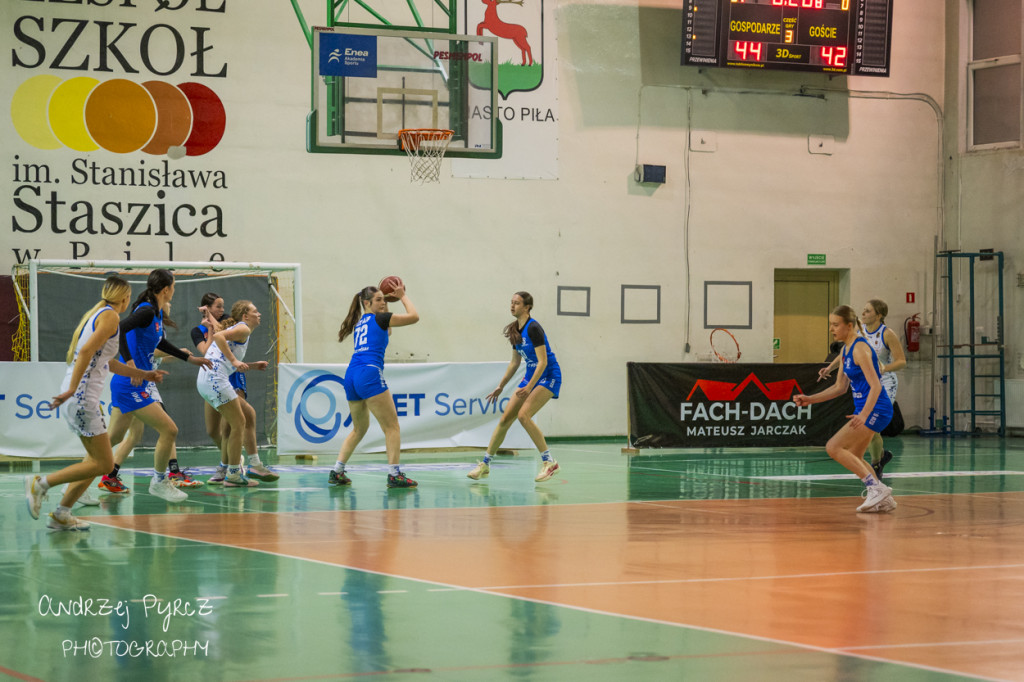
{"x":28,"y":426}
{"x":729,"y":405}
{"x":440,"y":405}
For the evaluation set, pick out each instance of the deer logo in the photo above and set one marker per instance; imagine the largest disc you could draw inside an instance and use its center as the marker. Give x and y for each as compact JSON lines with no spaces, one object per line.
{"x":514,"y":32}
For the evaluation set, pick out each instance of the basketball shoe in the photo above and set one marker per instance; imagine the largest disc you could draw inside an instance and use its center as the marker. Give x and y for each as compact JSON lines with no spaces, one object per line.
{"x":547,"y":471}
{"x":481,"y":470}
{"x":113,"y":484}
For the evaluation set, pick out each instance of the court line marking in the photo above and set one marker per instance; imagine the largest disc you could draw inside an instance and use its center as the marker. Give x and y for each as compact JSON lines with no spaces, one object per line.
{"x":899,"y":474}
{"x":582,"y":609}
{"x":983,"y":642}
{"x":753,"y":577}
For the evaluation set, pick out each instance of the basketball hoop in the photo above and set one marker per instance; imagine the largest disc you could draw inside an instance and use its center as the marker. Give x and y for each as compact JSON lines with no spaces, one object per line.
{"x":728,"y":350}
{"x":426,"y":148}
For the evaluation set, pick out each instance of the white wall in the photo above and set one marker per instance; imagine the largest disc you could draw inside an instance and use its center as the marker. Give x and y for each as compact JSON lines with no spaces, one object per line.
{"x":759,"y":202}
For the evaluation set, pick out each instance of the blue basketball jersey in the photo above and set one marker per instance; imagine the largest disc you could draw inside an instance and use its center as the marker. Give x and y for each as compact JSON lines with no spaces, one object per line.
{"x":142,"y":345}
{"x":528,"y":351}
{"x":858,"y":382}
{"x":370,"y":340}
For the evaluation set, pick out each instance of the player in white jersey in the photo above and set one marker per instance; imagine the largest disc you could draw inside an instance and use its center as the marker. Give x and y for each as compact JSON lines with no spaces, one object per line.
{"x":91,"y":356}
{"x":227,"y":355}
{"x":891,"y":358}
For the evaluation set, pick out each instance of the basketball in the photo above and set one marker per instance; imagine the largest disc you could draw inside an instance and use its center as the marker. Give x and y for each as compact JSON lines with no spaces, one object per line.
{"x":388,"y":285}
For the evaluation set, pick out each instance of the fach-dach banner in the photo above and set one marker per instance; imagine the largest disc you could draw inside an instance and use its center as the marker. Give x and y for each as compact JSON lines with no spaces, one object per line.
{"x":711,"y":405}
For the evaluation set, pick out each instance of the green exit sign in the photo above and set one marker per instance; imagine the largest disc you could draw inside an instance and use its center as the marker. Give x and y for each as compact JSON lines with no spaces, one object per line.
{"x":815,"y":259}
{"x":776,"y":344}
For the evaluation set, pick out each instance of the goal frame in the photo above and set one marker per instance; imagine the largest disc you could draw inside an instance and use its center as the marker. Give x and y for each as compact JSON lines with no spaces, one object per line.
{"x":35,"y":264}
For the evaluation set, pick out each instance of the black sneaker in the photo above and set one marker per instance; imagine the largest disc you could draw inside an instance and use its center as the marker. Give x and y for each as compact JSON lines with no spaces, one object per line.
{"x":334,"y":478}
{"x":879,"y":465}
{"x":401,"y":481}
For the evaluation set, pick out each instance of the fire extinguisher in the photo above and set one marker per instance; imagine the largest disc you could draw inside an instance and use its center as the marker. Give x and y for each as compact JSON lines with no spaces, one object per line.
{"x":912,"y":329}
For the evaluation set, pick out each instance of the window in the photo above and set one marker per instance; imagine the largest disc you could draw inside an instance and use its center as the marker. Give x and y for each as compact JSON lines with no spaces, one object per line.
{"x":994,"y":78}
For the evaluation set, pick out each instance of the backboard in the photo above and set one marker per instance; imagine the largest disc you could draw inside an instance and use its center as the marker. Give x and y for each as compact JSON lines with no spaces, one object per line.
{"x":369,"y":83}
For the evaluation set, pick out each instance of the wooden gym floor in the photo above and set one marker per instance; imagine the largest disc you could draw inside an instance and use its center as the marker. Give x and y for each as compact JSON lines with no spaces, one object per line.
{"x":724,"y":565}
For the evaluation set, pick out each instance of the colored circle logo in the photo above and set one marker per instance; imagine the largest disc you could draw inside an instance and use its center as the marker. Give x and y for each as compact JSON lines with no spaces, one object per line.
{"x":85,"y":114}
{"x":317,"y":418}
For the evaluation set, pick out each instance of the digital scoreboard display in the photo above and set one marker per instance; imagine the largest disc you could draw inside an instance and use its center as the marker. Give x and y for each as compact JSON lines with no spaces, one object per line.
{"x":825,"y":36}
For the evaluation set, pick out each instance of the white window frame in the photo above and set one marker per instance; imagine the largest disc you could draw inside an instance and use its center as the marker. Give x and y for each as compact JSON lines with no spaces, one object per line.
{"x":972,"y":66}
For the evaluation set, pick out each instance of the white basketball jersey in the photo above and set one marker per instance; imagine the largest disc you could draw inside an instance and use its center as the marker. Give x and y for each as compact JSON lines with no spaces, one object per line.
{"x":91,"y":385}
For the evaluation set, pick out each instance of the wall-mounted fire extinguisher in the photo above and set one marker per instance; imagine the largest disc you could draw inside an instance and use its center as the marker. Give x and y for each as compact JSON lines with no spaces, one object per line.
{"x":912,"y":329}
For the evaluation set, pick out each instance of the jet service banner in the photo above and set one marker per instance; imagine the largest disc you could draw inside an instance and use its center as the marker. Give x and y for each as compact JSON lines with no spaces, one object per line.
{"x":729,"y":405}
{"x":439,"y":405}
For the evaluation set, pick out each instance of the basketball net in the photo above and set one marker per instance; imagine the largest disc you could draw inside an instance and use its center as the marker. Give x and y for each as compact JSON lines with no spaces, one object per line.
{"x":727,"y":350}
{"x":425,"y":148}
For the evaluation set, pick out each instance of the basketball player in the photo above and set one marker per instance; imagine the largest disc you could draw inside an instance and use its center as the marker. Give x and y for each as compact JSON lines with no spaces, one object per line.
{"x":226,"y":355}
{"x":859,"y":371}
{"x":891,"y":358}
{"x":542,"y":382}
{"x":91,"y":355}
{"x":212,"y":308}
{"x":370,"y":323}
{"x":142,"y":333}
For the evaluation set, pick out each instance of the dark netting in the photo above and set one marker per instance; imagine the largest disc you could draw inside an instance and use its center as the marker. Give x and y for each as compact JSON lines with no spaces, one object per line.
{"x":63,"y":298}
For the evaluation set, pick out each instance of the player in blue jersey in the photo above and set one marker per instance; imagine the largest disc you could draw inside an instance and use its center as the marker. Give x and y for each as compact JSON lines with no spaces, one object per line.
{"x":891,"y":359}
{"x":859,"y":371}
{"x":92,"y":354}
{"x":142,"y":333}
{"x":542,"y":382}
{"x":211,"y":306}
{"x":370,"y":324}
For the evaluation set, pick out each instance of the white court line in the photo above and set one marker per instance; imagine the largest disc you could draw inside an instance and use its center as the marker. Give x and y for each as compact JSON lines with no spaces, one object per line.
{"x":904,"y":474}
{"x":271,"y":595}
{"x":331,"y":594}
{"x":983,"y":642}
{"x":682,"y":581}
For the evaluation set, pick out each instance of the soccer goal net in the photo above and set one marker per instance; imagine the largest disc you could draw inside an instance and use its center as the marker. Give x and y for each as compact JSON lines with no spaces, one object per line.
{"x":52,"y":295}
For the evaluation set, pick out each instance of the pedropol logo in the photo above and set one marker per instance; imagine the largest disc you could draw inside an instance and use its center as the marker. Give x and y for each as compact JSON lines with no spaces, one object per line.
{"x":86,"y":114}
{"x":459,"y":56}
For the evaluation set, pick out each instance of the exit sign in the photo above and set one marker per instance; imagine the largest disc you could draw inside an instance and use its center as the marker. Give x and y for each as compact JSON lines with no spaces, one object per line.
{"x":815,"y":259}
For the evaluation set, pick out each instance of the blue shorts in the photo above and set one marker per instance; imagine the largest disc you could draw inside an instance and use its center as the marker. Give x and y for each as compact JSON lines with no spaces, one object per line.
{"x":879,"y":417}
{"x":364,"y":381}
{"x":128,"y":398}
{"x":237,"y":380}
{"x":552,"y":382}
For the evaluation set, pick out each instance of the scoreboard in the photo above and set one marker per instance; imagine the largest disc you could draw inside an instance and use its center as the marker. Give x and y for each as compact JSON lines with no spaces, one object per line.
{"x":825,"y":36}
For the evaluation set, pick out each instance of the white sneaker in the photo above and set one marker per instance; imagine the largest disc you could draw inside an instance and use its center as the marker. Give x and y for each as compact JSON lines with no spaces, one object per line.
{"x":165,"y":490}
{"x":886,"y":505}
{"x":66,"y":522}
{"x":874,"y":496}
{"x":86,"y":500}
{"x":33,"y":495}
{"x":481,"y":470}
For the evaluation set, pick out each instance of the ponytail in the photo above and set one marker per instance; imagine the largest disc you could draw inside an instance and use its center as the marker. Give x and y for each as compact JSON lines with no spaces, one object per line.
{"x":114,"y":289}
{"x":848,"y":315}
{"x":512,"y":331}
{"x":355,"y":311}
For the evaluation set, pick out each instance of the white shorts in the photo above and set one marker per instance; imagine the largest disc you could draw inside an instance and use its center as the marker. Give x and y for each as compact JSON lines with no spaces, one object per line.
{"x":890,"y":383}
{"x":215,"y":388}
{"x":85,"y":419}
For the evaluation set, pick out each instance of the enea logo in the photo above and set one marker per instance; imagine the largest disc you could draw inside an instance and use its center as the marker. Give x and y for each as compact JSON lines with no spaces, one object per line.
{"x":86,"y":114}
{"x":317,"y":418}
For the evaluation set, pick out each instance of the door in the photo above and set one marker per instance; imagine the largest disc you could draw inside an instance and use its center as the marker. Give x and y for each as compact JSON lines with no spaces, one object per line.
{"x":803,"y":301}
